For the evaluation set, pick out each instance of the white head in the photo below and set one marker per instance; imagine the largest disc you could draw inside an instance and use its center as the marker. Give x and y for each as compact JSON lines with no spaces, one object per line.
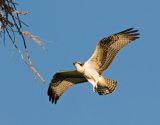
{"x":79,"y":66}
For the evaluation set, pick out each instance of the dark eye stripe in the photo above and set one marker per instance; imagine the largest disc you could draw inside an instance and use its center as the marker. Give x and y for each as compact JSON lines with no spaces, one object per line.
{"x":80,"y":64}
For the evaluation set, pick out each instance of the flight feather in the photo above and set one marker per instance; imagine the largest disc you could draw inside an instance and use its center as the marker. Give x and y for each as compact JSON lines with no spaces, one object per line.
{"x":61,"y":82}
{"x":108,"y":47}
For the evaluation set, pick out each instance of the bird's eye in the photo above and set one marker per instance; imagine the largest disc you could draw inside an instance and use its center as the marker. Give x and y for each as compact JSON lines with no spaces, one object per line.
{"x":80,"y":64}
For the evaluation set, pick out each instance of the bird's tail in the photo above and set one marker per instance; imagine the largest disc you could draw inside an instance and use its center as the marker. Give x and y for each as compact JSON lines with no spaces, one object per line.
{"x":107,"y":87}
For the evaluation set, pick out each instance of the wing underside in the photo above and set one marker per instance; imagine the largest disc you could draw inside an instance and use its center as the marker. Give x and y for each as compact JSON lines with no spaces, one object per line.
{"x":61,"y":82}
{"x":108,"y":47}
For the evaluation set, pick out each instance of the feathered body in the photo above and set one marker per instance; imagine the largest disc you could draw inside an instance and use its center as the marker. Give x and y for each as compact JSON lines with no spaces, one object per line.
{"x":98,"y":82}
{"x":91,"y":71}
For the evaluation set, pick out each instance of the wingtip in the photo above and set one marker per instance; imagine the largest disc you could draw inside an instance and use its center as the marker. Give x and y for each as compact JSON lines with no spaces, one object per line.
{"x":130,"y":31}
{"x":55,"y":102}
{"x":50,"y":94}
{"x":127,"y":30}
{"x":53,"y":98}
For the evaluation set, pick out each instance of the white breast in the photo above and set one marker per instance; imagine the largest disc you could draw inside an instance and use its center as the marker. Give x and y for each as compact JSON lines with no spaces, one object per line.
{"x":91,"y":74}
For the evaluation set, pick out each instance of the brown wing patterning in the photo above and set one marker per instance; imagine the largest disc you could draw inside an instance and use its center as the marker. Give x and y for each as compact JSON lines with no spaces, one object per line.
{"x":108,"y":47}
{"x":60,"y":83}
{"x":117,"y":41}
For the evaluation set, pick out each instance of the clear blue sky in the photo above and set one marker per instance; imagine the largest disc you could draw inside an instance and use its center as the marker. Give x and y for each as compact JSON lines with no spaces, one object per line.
{"x":71,"y":29}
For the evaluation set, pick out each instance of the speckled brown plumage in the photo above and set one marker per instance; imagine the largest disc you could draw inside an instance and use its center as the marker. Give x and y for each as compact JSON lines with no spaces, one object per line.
{"x":61,"y":82}
{"x":108,"y":47}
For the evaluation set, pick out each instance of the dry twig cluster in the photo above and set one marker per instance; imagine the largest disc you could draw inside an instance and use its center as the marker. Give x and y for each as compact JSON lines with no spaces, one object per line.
{"x":11,"y":26}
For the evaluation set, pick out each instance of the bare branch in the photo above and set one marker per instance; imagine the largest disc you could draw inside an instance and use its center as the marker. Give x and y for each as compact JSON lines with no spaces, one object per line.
{"x":11,"y":26}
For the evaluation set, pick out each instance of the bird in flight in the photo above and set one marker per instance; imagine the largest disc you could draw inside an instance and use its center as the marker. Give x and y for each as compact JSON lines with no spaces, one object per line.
{"x":91,"y":70}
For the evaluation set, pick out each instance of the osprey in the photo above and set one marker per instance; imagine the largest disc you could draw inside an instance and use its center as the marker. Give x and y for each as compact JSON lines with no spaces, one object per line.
{"x":91,"y":71}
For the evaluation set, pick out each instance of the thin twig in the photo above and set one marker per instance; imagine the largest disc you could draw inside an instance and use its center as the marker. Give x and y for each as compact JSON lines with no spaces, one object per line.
{"x":11,"y":26}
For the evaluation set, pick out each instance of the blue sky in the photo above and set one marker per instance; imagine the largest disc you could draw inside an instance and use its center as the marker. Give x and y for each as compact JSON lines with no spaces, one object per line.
{"x":71,"y":30}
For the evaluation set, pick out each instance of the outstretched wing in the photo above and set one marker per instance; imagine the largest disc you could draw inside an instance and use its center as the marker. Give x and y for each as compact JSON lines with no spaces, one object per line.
{"x":61,"y":82}
{"x":108,"y":47}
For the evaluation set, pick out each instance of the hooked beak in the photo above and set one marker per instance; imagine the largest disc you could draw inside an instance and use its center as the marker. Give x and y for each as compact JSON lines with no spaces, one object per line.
{"x":74,"y":63}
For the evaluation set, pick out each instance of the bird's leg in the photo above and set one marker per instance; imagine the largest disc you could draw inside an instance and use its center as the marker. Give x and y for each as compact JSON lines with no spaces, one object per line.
{"x":95,"y":88}
{"x":95,"y":85}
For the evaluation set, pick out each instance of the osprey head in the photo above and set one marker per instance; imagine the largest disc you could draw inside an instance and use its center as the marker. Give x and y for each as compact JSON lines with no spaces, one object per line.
{"x":79,"y":66}
{"x":77,"y":63}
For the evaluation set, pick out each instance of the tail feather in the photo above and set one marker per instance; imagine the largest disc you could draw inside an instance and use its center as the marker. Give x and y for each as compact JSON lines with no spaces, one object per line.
{"x":107,"y":87}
